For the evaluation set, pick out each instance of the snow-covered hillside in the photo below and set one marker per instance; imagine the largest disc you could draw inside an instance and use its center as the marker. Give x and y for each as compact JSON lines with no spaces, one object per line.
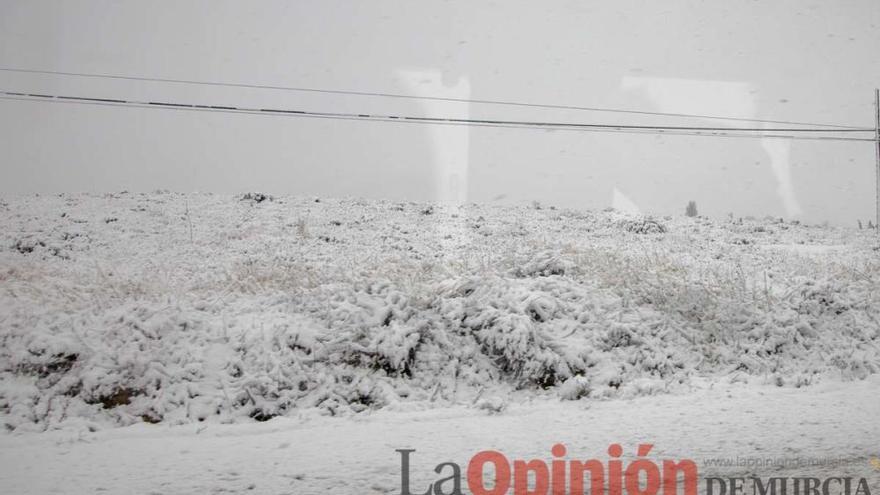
{"x":124,"y":308}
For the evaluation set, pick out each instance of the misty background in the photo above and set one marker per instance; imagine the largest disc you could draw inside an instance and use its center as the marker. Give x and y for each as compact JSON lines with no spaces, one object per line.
{"x":787,"y":60}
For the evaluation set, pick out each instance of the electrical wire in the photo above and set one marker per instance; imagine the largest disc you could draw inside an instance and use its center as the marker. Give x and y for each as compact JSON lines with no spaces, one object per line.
{"x":431,"y":98}
{"x":546,"y":126}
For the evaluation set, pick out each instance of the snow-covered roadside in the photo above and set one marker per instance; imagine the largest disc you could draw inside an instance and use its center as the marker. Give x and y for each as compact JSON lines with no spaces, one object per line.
{"x":356,"y":455}
{"x":354,"y":328}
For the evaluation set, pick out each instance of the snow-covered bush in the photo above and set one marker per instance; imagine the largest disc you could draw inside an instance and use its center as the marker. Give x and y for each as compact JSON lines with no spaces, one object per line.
{"x":576,"y":387}
{"x":256,"y":197}
{"x":249,"y":319}
{"x":542,"y":265}
{"x":644,"y":225}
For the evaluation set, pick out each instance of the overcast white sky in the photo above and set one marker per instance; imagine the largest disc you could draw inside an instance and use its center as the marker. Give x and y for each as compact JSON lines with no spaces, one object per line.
{"x":791,"y":60}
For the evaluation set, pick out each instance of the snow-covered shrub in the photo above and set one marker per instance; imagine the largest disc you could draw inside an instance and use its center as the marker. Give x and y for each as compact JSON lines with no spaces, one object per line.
{"x":256,"y":197}
{"x":27,"y":245}
{"x":492,"y":405}
{"x":543,"y":264}
{"x":576,"y":387}
{"x":250,"y":319}
{"x":519,"y":349}
{"x":390,"y":347}
{"x":644,"y":225}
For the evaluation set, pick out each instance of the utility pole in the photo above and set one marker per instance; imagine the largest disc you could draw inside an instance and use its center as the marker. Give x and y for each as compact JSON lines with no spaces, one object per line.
{"x":877,"y":145}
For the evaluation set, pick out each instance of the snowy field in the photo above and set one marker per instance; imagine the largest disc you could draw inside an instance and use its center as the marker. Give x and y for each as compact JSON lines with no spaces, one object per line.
{"x":168,"y":343}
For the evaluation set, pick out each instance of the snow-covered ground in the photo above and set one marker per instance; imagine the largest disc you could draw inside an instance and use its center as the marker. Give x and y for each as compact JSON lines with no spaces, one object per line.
{"x":830,"y":429}
{"x":358,"y":327}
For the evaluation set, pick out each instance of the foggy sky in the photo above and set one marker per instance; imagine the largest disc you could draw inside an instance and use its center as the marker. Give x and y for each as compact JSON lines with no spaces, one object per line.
{"x":790,"y":60}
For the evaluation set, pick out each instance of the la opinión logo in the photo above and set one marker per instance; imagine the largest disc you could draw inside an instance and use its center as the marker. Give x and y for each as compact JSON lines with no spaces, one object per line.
{"x":642,"y":476}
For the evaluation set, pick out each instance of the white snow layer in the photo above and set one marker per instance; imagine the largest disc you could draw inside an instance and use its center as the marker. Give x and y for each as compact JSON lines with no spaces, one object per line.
{"x":826,"y":430}
{"x":125,"y":308}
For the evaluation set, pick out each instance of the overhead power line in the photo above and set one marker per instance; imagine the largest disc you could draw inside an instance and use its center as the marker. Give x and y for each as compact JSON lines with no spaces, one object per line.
{"x":697,"y":131}
{"x":431,"y":98}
